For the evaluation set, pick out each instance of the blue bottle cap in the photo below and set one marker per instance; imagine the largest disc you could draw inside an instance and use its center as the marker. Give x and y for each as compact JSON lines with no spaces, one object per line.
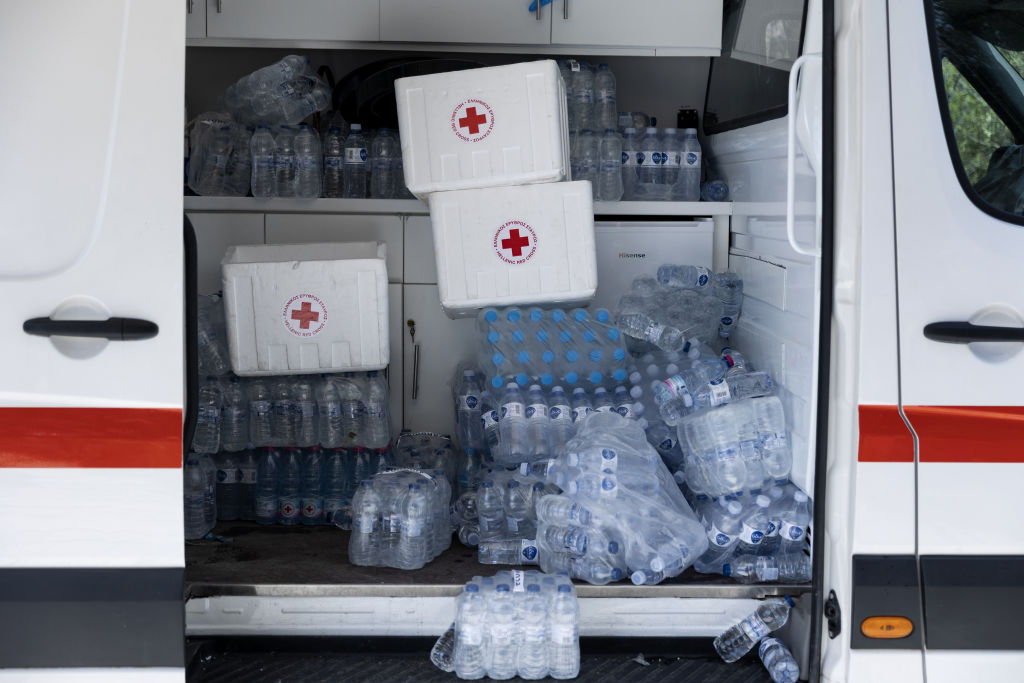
{"x":565,"y":588}
{"x":497,"y":382}
{"x":522,"y":379}
{"x":502,"y":588}
{"x":572,"y":377}
{"x":546,"y":379}
{"x":498,"y":359}
{"x":565,"y":336}
{"x":524,"y":356}
{"x":595,"y":355}
{"x":558,"y":316}
{"x":619,"y":375}
{"x":542,"y":336}
{"x":513,"y":316}
{"x":518,"y":335}
{"x":547,"y":356}
{"x":571,"y":355}
{"x":596,"y":377}
{"x":589,"y":336}
{"x":603,"y":316}
{"x":536,"y":315}
{"x":493,"y":337}
{"x":613,"y":334}
{"x":619,"y":354}
{"x":533,"y":588}
{"x":491,"y":316}
{"x":472,"y":588}
{"x":581,"y":316}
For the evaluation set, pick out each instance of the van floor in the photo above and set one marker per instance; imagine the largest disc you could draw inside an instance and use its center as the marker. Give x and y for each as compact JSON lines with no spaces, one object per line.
{"x":406,"y":660}
{"x":241,"y":555}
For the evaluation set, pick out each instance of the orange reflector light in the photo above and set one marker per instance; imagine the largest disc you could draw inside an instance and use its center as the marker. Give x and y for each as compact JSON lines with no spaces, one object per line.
{"x":886,"y":627}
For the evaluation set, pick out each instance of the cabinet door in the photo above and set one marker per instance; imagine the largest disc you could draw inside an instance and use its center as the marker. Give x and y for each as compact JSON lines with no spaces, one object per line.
{"x":294,"y":19}
{"x":195,"y":18}
{"x":463,"y":21}
{"x":695,"y":25}
{"x":443,"y":343}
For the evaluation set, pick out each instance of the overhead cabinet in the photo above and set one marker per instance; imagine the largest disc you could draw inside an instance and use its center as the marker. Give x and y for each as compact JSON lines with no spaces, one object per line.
{"x":351,"y":20}
{"x":463,"y":21}
{"x":690,"y":26}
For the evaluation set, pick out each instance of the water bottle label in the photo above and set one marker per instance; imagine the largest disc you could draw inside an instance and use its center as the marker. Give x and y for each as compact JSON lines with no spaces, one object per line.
{"x":756,"y":630}
{"x":692,"y":159}
{"x":228,"y":476}
{"x":538,"y":410}
{"x":489,"y":419}
{"x":563,"y":634}
{"x":218,"y":160}
{"x":365,"y":523}
{"x":579,"y":413}
{"x":512,"y":410}
{"x":395,"y":523}
{"x":773,"y":528}
{"x":266,"y":508}
{"x":765,"y":644}
{"x":650,"y":157}
{"x":672,"y":159}
{"x":412,"y":527}
{"x":773,"y":440}
{"x":288,"y":507}
{"x":560,"y":413}
{"x":518,"y":581}
{"x":528,"y":550}
{"x":584,"y":96}
{"x":677,"y":386}
{"x":574,"y":65}
{"x":703,"y":276}
{"x":333,"y":162}
{"x":283,"y":165}
{"x":469,"y":402}
{"x":625,"y":410}
{"x":750,"y":535}
{"x":247,"y":475}
{"x":629,"y":159}
{"x":603,"y":409}
{"x":469,"y":634}
{"x":719,"y":392}
{"x":720,"y":538}
{"x":355,"y":155}
{"x":312,"y":508}
{"x":792,"y":532}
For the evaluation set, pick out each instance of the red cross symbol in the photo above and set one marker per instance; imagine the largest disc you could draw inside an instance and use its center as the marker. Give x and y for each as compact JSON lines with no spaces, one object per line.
{"x":287,"y":509}
{"x":472,"y":121}
{"x":515,"y":242}
{"x":305,"y":314}
{"x":309,"y":509}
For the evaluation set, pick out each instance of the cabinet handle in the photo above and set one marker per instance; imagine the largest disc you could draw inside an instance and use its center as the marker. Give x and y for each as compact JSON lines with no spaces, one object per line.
{"x":794,"y":73}
{"x":565,"y":9}
{"x":190,"y":5}
{"x":539,"y":3}
{"x":415,"y":371}
{"x":220,"y":6}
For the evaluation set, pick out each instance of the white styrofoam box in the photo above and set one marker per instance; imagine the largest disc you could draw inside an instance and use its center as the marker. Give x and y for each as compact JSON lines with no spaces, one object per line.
{"x":626,"y":250}
{"x":524,"y":244}
{"x":501,"y":125}
{"x":302,"y":308}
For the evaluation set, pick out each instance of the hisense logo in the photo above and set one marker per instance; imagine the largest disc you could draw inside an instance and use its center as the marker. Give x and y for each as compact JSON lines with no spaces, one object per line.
{"x":629,"y":254}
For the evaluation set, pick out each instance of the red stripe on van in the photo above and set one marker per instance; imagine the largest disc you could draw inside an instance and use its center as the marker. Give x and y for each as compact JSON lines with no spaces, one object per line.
{"x":884,"y":436}
{"x":90,"y":437}
{"x":968,"y":434}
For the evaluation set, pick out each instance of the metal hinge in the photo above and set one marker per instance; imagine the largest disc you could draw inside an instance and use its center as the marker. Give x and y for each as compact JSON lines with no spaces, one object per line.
{"x":833,"y":615}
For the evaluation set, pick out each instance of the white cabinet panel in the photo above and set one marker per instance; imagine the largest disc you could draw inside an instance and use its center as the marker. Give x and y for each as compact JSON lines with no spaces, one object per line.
{"x":294,"y":19}
{"x":691,"y":24}
{"x":443,"y":343}
{"x":215,"y":232}
{"x":302,"y":228}
{"x":195,"y":18}
{"x":463,"y":21}
{"x":396,"y":328}
{"x":420,"y":263}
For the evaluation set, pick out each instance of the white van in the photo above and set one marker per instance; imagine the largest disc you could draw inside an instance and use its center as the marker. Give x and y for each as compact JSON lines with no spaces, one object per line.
{"x":874,"y":154}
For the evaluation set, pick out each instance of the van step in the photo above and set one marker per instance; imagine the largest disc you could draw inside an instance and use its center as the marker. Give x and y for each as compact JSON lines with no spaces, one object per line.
{"x":407,"y":660}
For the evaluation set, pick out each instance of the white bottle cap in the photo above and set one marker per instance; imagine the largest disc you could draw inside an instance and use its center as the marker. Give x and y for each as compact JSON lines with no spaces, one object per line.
{"x":652,"y":131}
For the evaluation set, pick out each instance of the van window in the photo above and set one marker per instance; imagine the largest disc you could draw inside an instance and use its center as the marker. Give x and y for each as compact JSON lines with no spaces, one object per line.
{"x":978,"y":52}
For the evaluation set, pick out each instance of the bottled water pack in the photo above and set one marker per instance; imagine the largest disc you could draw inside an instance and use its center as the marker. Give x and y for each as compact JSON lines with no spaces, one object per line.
{"x":401,"y":519}
{"x":740,"y":638}
{"x":285,"y":92}
{"x":514,"y":623}
{"x":219,"y":161}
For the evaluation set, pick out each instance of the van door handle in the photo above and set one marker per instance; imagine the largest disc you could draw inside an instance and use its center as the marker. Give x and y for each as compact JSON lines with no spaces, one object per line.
{"x":791,"y":103}
{"x":113,"y":329}
{"x":963,"y":332}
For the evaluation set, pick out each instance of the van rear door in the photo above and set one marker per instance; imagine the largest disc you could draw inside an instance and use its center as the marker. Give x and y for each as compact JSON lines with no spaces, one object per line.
{"x":91,"y":552}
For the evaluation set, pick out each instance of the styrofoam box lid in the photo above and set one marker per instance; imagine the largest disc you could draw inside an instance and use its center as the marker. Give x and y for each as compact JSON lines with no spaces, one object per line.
{"x":525,"y":244}
{"x":501,"y":125}
{"x":301,"y":308}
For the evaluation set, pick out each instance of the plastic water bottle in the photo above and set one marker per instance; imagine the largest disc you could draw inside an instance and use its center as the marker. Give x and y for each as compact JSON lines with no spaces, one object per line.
{"x":687,"y":187}
{"x":795,"y":518}
{"x":289,"y":495}
{"x":581,"y":111}
{"x":490,"y":510}
{"x":560,"y":414}
{"x":415,"y":531}
{"x":728,"y":288}
{"x":714,"y":191}
{"x":377,"y":423}
{"x":385,"y":151}
{"x":538,"y":423}
{"x":264,"y":172}
{"x":779,"y":661}
{"x":587,"y":156}
{"x":352,"y":409}
{"x":651,"y":169}
{"x":470,"y":629}
{"x":756,"y":525}
{"x":606,"y":111}
{"x":512,"y":551}
{"x":738,"y":639}
{"x":630,"y":162}
{"x":234,"y":429}
{"x":196,"y":523}
{"x":282,"y":412}
{"x":285,"y":162}
{"x":329,"y":422}
{"x":238,"y":173}
{"x":213,"y":352}
{"x":312,"y":497}
{"x":730,"y":471}
{"x":603,"y":402}
{"x":609,"y":172}
{"x":266,"y":487}
{"x":468,"y":411}
{"x":564,"y":646}
{"x":443,"y":652}
{"x":512,"y":426}
{"x":501,"y":636}
{"x":776,"y":456}
{"x":517,"y":510}
{"x":367,"y":507}
{"x":206,"y":438}
{"x":304,"y":413}
{"x":581,"y":406}
{"x":308,"y":163}
{"x":671,"y":154}
{"x":215,"y":162}
{"x":270,"y":77}
{"x":336,"y":487}
{"x":640,"y":326}
{"x":334,"y":161}
{"x":229,"y":489}
{"x":261,"y":429}
{"x":533,"y":649}
{"x":355,"y":163}
{"x":697,"y":278}
{"x":247,"y":466}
